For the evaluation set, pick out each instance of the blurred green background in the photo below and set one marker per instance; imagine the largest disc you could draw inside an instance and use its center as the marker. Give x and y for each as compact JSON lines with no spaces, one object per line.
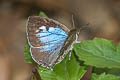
{"x":103,"y":17}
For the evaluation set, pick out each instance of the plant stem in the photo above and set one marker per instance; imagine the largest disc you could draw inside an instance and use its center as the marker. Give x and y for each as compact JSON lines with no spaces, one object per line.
{"x":36,"y":74}
{"x":87,"y":74}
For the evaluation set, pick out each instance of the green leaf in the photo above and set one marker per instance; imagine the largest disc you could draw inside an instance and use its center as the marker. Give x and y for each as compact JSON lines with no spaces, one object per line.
{"x":42,"y":14}
{"x":47,"y":75}
{"x":104,"y":76}
{"x":114,"y":71}
{"x":94,"y":76}
{"x":27,"y":55}
{"x":99,"y":53}
{"x":32,"y":78}
{"x":118,"y":49}
{"x":65,"y":70}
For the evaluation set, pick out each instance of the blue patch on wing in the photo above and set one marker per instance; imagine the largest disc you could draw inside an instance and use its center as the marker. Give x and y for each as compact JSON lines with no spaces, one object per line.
{"x":53,"y":38}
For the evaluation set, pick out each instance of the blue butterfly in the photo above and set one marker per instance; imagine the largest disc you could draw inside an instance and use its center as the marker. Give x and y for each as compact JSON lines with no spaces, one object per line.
{"x":49,"y":40}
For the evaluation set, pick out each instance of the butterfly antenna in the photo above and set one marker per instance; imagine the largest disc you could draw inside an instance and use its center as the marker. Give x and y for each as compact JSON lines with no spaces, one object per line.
{"x":82,"y":27}
{"x":73,"y":23}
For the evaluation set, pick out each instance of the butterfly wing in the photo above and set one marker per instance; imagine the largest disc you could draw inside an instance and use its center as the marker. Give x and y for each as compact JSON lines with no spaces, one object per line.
{"x":46,"y":38}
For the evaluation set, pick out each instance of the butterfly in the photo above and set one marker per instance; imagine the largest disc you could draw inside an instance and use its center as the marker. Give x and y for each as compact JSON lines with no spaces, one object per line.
{"x":49,"y":40}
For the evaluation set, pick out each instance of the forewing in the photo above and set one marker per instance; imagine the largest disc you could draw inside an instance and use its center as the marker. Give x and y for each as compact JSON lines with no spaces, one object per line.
{"x":33,"y":27}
